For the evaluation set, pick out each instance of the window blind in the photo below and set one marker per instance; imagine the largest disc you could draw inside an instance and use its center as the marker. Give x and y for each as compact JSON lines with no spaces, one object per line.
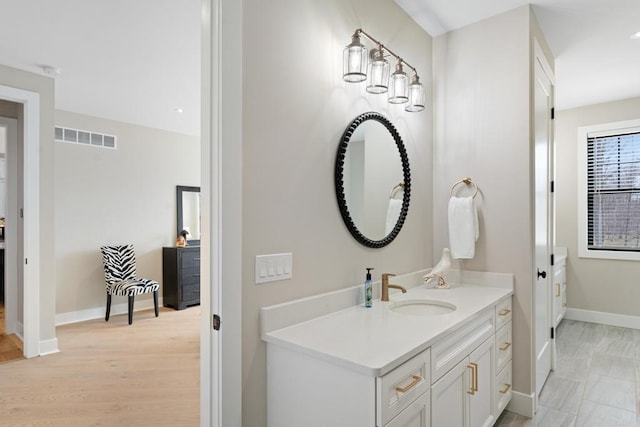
{"x":613,"y":191}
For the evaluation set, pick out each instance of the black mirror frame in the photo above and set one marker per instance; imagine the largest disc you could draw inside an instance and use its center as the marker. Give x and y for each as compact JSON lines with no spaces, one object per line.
{"x":180,"y":220}
{"x":339,"y":180}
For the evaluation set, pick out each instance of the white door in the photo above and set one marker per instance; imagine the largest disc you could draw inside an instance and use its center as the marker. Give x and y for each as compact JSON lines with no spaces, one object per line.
{"x":221,"y":266}
{"x":542,"y":273}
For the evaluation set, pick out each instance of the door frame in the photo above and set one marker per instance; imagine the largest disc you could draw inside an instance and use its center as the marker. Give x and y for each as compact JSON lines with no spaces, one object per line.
{"x":221,"y":245}
{"x":10,"y":250}
{"x":31,"y":215}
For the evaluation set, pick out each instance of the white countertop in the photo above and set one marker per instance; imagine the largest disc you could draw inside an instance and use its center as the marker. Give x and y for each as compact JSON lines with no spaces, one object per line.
{"x":375,"y":340}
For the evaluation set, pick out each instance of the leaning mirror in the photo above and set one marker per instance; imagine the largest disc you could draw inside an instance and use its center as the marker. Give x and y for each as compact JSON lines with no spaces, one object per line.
{"x":372,"y":180}
{"x":188,"y":199}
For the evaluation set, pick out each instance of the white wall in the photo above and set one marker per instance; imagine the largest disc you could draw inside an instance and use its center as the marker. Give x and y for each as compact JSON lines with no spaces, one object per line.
{"x":296,"y":107}
{"x":482,"y":130}
{"x":106,"y":196}
{"x":608,"y":286}
{"x":45,"y":88}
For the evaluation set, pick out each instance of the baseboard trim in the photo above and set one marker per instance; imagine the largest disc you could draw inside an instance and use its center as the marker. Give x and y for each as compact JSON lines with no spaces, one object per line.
{"x":49,"y":347}
{"x":611,"y":319}
{"x":99,"y":312}
{"x":523,"y":404}
{"x":20,"y":330}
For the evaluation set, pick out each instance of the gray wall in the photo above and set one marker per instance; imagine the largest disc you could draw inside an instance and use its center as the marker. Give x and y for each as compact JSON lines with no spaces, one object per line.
{"x":609,"y":286}
{"x":296,"y":107}
{"x":482,"y":76}
{"x":106,"y":196}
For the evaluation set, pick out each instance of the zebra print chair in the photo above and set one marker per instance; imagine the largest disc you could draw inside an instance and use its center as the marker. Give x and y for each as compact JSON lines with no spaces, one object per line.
{"x":120,"y":276}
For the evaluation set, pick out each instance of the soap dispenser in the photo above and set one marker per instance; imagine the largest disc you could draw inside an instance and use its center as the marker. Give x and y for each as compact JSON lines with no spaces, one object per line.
{"x":368,"y":289}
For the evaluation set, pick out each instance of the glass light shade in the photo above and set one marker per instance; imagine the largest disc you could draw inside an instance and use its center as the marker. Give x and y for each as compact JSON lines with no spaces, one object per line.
{"x":398,"y":86}
{"x":378,"y":74}
{"x":354,"y":61}
{"x":416,"y":96}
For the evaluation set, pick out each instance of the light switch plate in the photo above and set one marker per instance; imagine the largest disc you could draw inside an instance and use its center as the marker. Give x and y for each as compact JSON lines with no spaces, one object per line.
{"x":272,"y":267}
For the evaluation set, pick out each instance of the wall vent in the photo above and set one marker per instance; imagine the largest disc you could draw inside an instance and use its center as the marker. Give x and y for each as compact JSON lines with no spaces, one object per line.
{"x":85,"y":137}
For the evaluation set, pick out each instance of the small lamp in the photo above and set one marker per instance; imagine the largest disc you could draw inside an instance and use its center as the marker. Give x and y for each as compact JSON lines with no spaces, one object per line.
{"x":378,"y":75}
{"x":416,"y":95}
{"x":355,"y":60}
{"x":399,"y":85}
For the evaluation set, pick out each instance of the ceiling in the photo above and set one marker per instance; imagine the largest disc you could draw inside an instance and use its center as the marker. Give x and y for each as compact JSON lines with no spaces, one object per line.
{"x":595,"y":58}
{"x":135,"y":61}
{"x":138,"y":61}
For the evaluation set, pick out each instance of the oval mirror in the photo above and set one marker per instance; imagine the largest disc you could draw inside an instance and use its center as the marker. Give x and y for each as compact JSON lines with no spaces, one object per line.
{"x":372,"y":180}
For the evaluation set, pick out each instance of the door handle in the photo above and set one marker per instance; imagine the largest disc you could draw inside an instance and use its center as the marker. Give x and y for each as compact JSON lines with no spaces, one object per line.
{"x":542,"y":274}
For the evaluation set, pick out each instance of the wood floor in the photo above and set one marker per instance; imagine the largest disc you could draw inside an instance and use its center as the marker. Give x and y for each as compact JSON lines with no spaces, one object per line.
{"x":10,"y":345}
{"x":110,"y":374}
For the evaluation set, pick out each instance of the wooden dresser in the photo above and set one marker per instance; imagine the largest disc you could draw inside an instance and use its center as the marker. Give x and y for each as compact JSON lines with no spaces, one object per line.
{"x":180,"y":276}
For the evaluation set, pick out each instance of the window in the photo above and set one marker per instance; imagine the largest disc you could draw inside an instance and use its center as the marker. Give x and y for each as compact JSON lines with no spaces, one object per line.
{"x":609,"y":193}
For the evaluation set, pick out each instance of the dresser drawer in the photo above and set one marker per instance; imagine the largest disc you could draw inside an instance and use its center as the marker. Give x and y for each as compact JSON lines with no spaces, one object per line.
{"x":503,"y":388}
{"x":191,"y":292}
{"x":450,"y":350}
{"x":190,"y":275}
{"x":190,"y":258}
{"x":503,"y":313}
{"x":503,"y":346}
{"x":396,"y":390}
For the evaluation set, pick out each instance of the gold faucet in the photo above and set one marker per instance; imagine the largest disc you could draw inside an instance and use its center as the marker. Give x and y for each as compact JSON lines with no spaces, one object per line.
{"x":386,"y":285}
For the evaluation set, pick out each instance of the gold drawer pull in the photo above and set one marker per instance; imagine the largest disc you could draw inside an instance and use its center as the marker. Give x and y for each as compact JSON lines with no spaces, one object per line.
{"x":504,"y":312}
{"x":474,"y":378}
{"x":416,"y":380}
{"x":506,"y":389}
{"x":505,"y":346}
{"x":557,"y":289}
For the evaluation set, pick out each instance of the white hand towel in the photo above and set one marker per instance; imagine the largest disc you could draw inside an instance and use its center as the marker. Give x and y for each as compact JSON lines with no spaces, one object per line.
{"x":393,"y":213}
{"x":463,"y":227}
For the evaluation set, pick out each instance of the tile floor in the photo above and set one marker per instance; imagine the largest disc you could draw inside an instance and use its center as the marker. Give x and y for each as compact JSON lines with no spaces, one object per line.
{"x":596,"y":382}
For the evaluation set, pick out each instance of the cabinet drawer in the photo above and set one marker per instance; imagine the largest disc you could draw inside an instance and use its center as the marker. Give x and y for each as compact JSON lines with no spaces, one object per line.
{"x":503,"y":313}
{"x":449,"y":351}
{"x":189,"y":276}
{"x":399,"y":388}
{"x":190,"y":258}
{"x":416,"y":415}
{"x":503,"y":388}
{"x":503,"y":346}
{"x":191,"y":292}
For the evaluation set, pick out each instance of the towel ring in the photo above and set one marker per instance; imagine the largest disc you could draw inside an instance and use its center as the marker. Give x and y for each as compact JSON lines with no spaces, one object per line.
{"x":395,"y":189}
{"x":466,"y":181}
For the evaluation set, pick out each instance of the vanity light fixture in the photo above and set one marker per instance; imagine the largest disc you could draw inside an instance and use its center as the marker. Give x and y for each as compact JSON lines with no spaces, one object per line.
{"x":376,"y":72}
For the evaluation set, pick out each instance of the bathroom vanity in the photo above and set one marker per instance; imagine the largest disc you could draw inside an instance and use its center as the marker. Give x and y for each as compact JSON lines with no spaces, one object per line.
{"x":429,"y":357}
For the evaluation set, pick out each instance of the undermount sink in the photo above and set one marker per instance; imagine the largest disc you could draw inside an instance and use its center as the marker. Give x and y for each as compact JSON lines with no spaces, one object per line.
{"x":422,"y":307}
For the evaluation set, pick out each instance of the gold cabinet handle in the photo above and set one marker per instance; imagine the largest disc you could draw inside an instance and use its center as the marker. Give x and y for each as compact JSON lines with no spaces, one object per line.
{"x":474,"y":378}
{"x":557,"y":289}
{"x":504,"y":312}
{"x":416,"y":380}
{"x":505,"y":346}
{"x":505,"y":389}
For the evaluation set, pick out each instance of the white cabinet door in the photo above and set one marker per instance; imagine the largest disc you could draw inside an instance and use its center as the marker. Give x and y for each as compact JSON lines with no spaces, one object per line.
{"x":415,"y":415}
{"x":449,"y":402}
{"x":481,"y":401}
